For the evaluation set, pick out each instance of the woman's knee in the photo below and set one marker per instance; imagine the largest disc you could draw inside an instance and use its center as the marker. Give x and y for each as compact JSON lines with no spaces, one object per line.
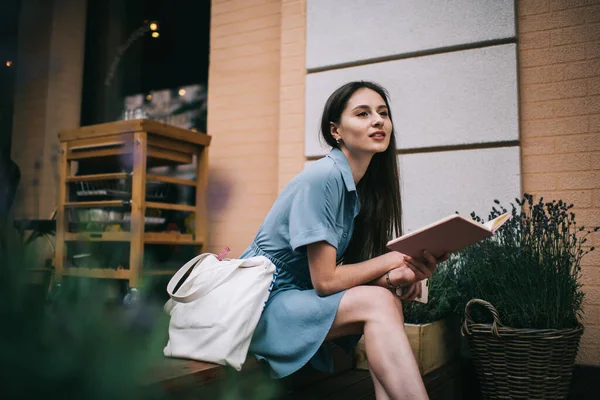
{"x":380,"y":303}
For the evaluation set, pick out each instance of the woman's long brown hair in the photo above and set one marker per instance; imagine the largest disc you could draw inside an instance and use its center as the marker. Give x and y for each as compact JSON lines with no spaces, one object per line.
{"x":380,"y":216}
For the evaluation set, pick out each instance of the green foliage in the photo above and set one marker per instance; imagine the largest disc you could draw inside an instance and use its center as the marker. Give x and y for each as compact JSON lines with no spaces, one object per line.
{"x":78,"y":346}
{"x":441,"y":298}
{"x":84,"y":345}
{"x":529,"y":270}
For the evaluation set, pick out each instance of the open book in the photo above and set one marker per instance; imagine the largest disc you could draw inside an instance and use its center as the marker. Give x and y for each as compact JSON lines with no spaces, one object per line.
{"x":447,"y":235}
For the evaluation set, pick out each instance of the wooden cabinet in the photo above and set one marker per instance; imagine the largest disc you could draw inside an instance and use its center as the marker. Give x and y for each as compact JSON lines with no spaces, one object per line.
{"x":108,"y":174}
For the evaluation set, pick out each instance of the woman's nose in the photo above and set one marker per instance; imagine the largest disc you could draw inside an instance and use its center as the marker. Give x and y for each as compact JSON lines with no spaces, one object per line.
{"x":377,"y":120}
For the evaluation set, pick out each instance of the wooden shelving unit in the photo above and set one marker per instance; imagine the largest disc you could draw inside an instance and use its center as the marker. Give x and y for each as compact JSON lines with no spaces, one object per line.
{"x":136,"y":146}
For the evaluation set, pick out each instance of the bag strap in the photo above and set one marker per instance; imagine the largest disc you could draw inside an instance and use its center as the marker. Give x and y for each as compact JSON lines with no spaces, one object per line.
{"x":185,"y":297}
{"x":188,"y":266}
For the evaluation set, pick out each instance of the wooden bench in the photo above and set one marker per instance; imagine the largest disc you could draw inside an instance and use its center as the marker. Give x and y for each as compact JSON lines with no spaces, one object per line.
{"x":185,"y":379}
{"x":180,"y":378}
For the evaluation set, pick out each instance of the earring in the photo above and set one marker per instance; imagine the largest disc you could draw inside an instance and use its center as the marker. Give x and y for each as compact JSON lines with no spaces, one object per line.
{"x":338,"y":141}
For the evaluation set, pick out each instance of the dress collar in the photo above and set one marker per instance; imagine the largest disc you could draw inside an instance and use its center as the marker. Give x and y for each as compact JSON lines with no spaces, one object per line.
{"x":340,"y":160}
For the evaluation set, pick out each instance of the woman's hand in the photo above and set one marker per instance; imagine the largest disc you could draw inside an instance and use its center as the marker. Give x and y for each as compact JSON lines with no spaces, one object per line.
{"x":410,"y":292}
{"x":410,"y":270}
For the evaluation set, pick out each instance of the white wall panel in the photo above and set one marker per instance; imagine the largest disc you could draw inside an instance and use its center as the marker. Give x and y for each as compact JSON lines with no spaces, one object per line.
{"x":346,"y":31}
{"x":454,"y":98}
{"x":435,"y":185}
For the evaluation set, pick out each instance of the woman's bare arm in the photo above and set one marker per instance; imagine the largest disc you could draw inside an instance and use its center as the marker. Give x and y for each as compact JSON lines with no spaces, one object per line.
{"x":399,"y":276}
{"x":327,"y":278}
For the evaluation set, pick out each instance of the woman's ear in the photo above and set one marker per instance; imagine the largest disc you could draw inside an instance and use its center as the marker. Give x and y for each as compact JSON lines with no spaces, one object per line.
{"x":333,"y":130}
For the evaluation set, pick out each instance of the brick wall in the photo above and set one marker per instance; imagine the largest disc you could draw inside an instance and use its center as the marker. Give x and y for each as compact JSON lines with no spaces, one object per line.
{"x":29,"y":102}
{"x":559,"y":57}
{"x":243,"y":118}
{"x":47,"y":96}
{"x":291,"y":94}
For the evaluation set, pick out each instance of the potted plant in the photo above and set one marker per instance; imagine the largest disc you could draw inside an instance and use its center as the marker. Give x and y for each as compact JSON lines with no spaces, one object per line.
{"x":522,"y":299}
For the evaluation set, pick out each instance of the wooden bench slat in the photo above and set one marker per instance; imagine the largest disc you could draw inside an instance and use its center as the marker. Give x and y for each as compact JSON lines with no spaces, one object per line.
{"x":172,"y":368}
{"x":173,"y":373}
{"x":187,"y":378}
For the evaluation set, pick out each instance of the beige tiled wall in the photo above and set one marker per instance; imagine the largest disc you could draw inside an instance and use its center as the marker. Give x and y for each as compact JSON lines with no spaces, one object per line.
{"x":452,"y":78}
{"x":559,"y":57}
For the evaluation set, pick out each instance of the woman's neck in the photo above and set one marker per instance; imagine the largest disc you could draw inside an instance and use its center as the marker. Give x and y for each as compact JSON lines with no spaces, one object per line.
{"x":358,"y":163}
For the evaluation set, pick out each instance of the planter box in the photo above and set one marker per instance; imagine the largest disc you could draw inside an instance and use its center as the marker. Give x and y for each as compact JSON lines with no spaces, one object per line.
{"x":434,"y":345}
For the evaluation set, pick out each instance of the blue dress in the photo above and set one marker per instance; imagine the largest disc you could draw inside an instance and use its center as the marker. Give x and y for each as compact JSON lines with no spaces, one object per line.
{"x":319,"y":204}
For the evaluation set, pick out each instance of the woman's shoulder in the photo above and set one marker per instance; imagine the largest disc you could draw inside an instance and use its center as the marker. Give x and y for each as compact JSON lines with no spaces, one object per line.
{"x":322,"y":172}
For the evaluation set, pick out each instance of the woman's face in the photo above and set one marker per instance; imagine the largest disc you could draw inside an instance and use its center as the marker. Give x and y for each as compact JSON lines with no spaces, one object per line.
{"x":365,"y":126}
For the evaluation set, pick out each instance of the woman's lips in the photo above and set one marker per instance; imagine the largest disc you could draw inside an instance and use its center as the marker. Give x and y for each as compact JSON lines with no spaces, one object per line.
{"x":379,"y":135}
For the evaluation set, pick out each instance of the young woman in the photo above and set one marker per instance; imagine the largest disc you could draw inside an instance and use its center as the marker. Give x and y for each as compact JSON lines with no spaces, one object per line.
{"x":326,"y":233}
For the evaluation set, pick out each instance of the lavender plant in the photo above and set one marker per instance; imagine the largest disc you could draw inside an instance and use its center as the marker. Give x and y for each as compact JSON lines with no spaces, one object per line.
{"x":530,"y":269}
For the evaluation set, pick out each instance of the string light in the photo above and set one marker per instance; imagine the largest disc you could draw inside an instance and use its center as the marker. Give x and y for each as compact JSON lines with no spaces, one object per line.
{"x":155,"y":34}
{"x":153,"y":26}
{"x":181,"y":92}
{"x":9,"y":63}
{"x":138,"y":33}
{"x":149,"y":97}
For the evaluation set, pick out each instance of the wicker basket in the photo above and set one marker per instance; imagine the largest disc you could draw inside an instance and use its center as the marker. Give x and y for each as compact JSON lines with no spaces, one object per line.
{"x":521,"y":363}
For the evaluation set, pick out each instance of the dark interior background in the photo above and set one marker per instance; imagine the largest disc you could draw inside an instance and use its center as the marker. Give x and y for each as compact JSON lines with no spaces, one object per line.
{"x":178,"y":57}
{"x":9,"y":19}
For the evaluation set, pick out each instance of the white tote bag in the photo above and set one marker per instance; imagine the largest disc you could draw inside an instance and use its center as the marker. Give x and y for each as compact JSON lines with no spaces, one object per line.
{"x":215,"y":311}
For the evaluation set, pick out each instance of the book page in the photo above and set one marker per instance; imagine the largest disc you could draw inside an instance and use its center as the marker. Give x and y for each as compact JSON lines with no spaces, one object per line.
{"x":497,"y":222}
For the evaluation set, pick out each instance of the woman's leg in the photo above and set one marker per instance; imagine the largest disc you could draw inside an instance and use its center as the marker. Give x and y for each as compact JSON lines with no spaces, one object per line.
{"x":377,"y":313}
{"x":380,"y":393}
